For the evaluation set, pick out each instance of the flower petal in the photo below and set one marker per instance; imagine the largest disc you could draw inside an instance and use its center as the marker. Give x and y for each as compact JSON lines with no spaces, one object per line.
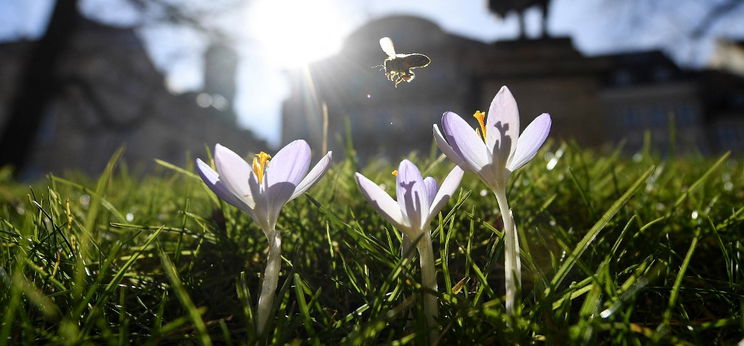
{"x":277,"y":195}
{"x":502,"y":126}
{"x":262,"y":214}
{"x":431,"y":188}
{"x":465,"y":141}
{"x":448,"y":151}
{"x":530,"y":141}
{"x":290,"y":164}
{"x":381,"y":201}
{"x":284,"y":172}
{"x":412,"y":194}
{"x":449,"y":185}
{"x":315,"y":174}
{"x":233,"y":171}
{"x":211,"y":178}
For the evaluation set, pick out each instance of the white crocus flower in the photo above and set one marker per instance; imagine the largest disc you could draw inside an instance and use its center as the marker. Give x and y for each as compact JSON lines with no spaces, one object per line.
{"x":261,"y":190}
{"x":493,"y":152}
{"x":419,"y":201}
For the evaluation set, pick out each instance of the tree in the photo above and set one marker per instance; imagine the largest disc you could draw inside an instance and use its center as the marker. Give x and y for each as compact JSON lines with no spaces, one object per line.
{"x":37,"y":85}
{"x":38,"y":82}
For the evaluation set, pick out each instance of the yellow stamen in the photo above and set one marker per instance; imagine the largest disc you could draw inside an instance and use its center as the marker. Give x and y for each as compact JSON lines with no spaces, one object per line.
{"x":395,"y":173}
{"x":260,"y":161}
{"x":481,"y":116}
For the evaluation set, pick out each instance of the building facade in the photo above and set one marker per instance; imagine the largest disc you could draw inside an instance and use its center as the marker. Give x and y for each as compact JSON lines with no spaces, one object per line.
{"x":593,"y":100}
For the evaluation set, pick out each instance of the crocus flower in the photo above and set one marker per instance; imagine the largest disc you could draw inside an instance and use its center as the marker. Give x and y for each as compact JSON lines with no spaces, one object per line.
{"x":261,"y":190}
{"x":493,"y":152}
{"x":419,"y":201}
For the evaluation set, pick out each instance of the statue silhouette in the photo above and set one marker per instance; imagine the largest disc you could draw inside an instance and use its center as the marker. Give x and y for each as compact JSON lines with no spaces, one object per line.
{"x":503,"y":7}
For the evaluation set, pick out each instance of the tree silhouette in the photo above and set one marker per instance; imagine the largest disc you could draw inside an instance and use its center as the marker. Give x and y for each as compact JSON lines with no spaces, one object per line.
{"x":37,"y":85}
{"x":39,"y":81}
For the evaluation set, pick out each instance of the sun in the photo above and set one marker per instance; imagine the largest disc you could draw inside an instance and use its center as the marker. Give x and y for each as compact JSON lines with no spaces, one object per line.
{"x":293,"y":33}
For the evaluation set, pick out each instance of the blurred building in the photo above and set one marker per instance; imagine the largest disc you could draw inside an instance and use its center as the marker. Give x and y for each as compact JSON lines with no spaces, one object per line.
{"x":728,"y":55}
{"x":594,"y":100}
{"x":113,"y":96}
{"x":683,"y":110}
{"x":220,"y":69}
{"x":383,"y":119}
{"x":647,"y":91}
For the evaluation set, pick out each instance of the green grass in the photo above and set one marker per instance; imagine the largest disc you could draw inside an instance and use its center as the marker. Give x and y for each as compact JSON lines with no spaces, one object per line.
{"x":614,"y":251}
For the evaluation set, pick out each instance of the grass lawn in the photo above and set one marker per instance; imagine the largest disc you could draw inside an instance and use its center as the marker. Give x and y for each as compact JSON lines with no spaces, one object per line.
{"x":615,"y":250}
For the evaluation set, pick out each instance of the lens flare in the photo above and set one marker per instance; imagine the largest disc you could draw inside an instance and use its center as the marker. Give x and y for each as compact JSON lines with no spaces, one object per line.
{"x":296,"y":32}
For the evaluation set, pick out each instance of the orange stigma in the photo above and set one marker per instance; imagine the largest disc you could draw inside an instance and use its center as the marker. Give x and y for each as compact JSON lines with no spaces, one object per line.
{"x":260,"y":161}
{"x":481,"y":116}
{"x":395,"y":173}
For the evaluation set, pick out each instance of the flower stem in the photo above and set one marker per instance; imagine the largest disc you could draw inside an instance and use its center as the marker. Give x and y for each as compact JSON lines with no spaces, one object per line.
{"x":512,"y":263}
{"x":428,"y":279}
{"x":270,"y":280}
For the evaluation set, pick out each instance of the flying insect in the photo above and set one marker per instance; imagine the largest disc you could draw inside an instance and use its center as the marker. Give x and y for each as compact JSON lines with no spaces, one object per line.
{"x":398,"y":67}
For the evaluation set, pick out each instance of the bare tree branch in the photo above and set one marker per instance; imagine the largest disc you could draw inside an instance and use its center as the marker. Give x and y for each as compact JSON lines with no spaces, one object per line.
{"x":187,"y":15}
{"x":715,"y":14}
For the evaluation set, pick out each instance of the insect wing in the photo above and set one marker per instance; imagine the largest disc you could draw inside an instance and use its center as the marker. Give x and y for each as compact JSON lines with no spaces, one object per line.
{"x":417,"y":60}
{"x":387,"y":46}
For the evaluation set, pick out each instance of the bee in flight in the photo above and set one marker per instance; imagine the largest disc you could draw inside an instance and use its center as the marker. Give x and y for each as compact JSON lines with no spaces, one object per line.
{"x":398,"y":66}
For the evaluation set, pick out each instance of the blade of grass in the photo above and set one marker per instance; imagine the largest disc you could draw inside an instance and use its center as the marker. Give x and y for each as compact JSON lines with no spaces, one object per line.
{"x":183,"y":297}
{"x":123,"y":270}
{"x":677,"y":284}
{"x":594,"y":231}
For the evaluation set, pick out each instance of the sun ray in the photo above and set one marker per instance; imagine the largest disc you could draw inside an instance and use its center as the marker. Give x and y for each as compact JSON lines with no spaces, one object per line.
{"x":296,"y":32}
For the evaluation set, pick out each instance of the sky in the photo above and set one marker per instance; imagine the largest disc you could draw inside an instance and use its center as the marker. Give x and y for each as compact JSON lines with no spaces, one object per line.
{"x":266,"y":35}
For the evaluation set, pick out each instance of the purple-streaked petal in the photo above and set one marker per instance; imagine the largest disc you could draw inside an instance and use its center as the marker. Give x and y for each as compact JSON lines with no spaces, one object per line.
{"x":261,"y":211}
{"x":448,"y":151}
{"x":411,"y":193}
{"x":290,"y":164}
{"x":233,"y":171}
{"x":381,"y":201}
{"x":502,"y":126}
{"x":431,"y":188}
{"x":530,"y":141}
{"x":277,"y":196}
{"x":449,"y":185}
{"x":315,"y":174}
{"x":284,"y":172}
{"x":212,"y":179}
{"x":465,"y":141}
